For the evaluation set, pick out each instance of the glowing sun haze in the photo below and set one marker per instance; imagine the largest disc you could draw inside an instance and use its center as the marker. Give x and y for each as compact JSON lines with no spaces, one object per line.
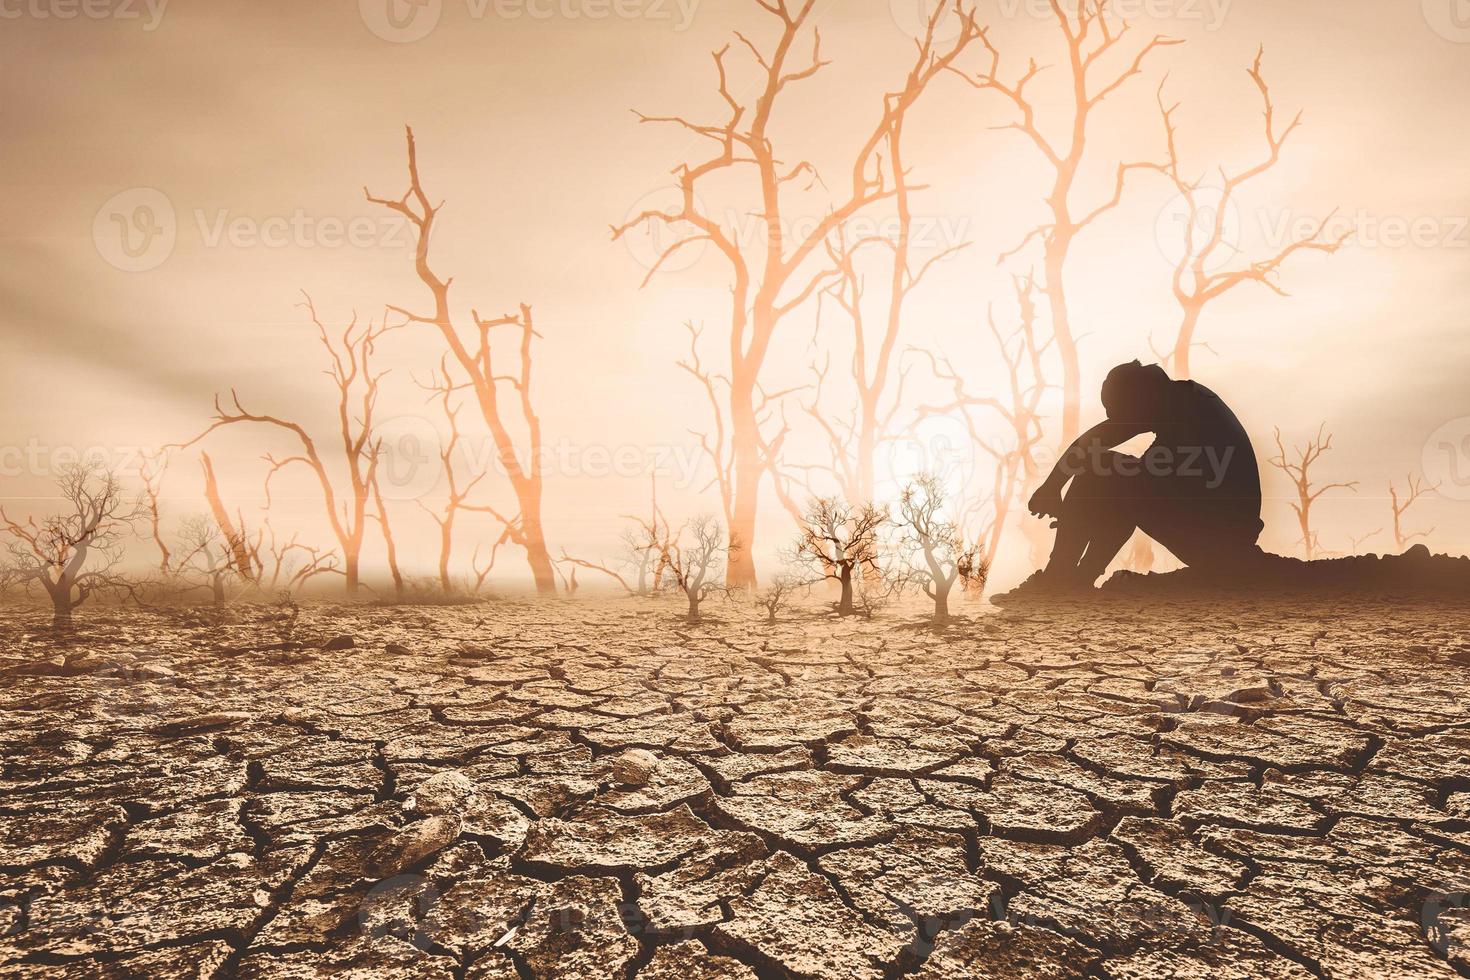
{"x":250,"y":130}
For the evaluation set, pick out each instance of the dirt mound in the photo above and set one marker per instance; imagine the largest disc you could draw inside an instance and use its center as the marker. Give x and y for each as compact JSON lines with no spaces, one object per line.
{"x":1414,"y":574}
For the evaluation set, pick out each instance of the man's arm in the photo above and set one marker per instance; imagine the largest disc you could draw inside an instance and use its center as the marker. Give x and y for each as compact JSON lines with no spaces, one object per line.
{"x":1108,"y":434}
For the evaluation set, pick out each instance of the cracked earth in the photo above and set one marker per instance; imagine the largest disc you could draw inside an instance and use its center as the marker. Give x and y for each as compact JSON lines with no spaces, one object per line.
{"x":595,"y":789}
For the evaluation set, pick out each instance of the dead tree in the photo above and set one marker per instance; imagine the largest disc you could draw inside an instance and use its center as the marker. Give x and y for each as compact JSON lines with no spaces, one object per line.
{"x":766,"y":288}
{"x":648,"y":544}
{"x":459,"y":490}
{"x":350,"y":368}
{"x":390,"y":546}
{"x":287,"y":565}
{"x":485,"y":378}
{"x":695,"y":567}
{"x":1092,"y":39}
{"x":839,"y":542}
{"x":568,"y":561}
{"x":935,"y":550}
{"x":569,"y":583}
{"x":1298,"y":470}
{"x":1208,"y":266}
{"x":233,"y":530}
{"x":206,"y":559}
{"x":153,"y":469}
{"x":1360,"y":540}
{"x":777,"y":593}
{"x":1416,"y":489}
{"x":479,"y":573}
{"x":1017,"y":468}
{"x":852,"y":447}
{"x":74,"y":554}
{"x":644,"y":560}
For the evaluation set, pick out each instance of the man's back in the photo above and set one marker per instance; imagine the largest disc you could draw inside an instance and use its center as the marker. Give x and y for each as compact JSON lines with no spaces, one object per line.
{"x":1207,"y":445}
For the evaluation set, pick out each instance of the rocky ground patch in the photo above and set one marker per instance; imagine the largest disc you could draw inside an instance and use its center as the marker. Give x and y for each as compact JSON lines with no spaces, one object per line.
{"x":595,"y":789}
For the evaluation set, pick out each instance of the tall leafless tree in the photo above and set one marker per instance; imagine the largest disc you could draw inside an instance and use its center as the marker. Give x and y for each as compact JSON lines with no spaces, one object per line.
{"x":1208,"y":266}
{"x":1094,"y":41}
{"x":233,"y":530}
{"x":767,"y":288}
{"x":458,"y":489}
{"x":152,"y":470}
{"x":1017,"y":469}
{"x":350,"y":357}
{"x":485,"y":378}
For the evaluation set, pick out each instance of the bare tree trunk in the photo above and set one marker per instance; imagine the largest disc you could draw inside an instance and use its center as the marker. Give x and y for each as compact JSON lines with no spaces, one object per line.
{"x":388,"y":541}
{"x":61,"y":602}
{"x":535,"y":540}
{"x":745,"y":447}
{"x":446,"y":539}
{"x":1185,"y":341}
{"x":234,"y":537}
{"x":540,"y":561}
{"x":1061,"y":325}
{"x":845,"y":605}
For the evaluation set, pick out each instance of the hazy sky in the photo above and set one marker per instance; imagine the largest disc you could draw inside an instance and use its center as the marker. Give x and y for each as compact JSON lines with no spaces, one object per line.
{"x":250,"y":130}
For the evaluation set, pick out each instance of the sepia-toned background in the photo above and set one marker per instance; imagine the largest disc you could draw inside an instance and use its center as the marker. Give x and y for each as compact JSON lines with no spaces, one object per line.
{"x":175,"y":176}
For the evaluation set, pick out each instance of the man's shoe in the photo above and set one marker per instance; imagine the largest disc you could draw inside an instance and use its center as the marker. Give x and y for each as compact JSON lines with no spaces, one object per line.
{"x":1043,"y":588}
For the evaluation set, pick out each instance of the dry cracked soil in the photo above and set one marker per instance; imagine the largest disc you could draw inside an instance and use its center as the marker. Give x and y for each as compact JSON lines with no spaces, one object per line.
{"x":595,"y":789}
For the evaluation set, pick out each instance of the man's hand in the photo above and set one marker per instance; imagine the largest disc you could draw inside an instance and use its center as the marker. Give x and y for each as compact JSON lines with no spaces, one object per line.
{"x":1046,"y":501}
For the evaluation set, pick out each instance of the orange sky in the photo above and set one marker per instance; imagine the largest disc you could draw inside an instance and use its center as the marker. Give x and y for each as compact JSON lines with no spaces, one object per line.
{"x":256,"y":126}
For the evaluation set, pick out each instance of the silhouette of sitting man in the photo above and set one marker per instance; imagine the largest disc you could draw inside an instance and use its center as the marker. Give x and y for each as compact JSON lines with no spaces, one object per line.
{"x":1196,"y":490}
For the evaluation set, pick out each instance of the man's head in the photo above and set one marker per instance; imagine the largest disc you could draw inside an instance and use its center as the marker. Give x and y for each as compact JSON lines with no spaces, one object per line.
{"x":1133,"y":391}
